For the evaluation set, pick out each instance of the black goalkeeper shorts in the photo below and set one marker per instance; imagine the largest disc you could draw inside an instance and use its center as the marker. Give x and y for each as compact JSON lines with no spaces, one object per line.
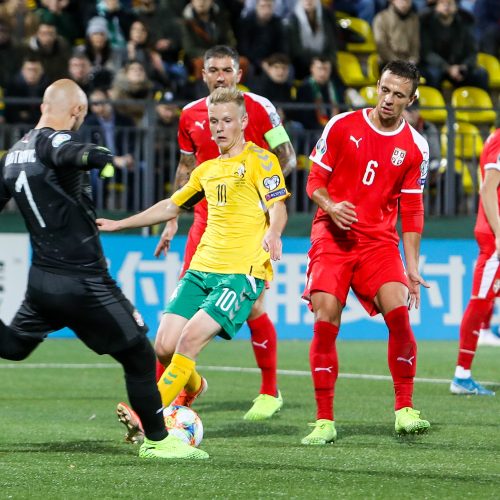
{"x":94,"y":307}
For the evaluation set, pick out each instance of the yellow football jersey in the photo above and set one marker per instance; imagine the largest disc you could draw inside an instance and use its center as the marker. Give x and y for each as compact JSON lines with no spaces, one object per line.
{"x":239,"y":191}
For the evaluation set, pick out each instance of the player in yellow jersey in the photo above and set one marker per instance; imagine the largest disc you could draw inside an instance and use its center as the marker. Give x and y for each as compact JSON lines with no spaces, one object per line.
{"x":245,"y":191}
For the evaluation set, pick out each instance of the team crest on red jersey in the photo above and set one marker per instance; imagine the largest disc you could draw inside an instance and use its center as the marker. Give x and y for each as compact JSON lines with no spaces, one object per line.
{"x":398,"y":156}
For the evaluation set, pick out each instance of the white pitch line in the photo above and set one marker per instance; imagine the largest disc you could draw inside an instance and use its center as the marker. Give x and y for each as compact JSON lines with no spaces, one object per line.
{"x":296,"y":373}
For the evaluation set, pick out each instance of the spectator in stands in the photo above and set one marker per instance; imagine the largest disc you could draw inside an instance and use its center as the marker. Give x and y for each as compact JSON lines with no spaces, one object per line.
{"x":132,"y":83}
{"x":318,"y":89}
{"x":448,"y":48}
{"x":281,"y":8}
{"x":10,"y":54}
{"x":275,"y":84}
{"x":487,"y":15}
{"x":105,"y":60}
{"x":52,"y":50}
{"x":29,"y":82}
{"x":165,"y":31}
{"x":430,"y":133}
{"x":166,"y":150}
{"x":118,"y":21}
{"x":139,"y":49}
{"x":205,"y":24}
{"x":260,"y":34}
{"x":311,"y":33}
{"x":57,"y":13}
{"x":80,"y":71}
{"x":21,"y":18}
{"x":107,"y":127}
{"x":364,"y":9}
{"x":397,"y":33}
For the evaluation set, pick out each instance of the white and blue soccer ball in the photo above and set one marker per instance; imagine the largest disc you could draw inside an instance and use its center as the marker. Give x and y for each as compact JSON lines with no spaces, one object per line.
{"x":184,"y":423}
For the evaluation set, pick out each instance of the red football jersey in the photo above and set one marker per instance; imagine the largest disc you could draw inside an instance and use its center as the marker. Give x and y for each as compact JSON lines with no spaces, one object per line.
{"x":490,"y":158}
{"x":370,"y":169}
{"x":195,"y":138}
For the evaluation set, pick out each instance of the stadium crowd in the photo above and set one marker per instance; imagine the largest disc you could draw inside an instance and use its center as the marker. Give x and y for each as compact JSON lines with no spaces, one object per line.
{"x":136,"y":49}
{"x":291,"y":52}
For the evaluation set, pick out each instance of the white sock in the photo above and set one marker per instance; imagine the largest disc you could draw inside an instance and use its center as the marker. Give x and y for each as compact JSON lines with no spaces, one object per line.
{"x":462,"y":372}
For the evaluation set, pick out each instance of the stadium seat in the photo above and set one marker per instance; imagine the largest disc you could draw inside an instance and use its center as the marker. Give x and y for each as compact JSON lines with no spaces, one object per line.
{"x":369,"y":94}
{"x":372,"y":67}
{"x":429,"y":96}
{"x":350,"y":70}
{"x":473,"y":97}
{"x":492,"y":65}
{"x":359,"y":27}
{"x":468,"y":141}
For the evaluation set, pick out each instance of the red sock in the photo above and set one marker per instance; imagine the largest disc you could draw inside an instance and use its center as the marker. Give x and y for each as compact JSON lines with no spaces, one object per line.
{"x":475,"y":314}
{"x":401,"y":356}
{"x":264,"y":348}
{"x":487,"y":322}
{"x":324,"y":367}
{"x":159,"y":370}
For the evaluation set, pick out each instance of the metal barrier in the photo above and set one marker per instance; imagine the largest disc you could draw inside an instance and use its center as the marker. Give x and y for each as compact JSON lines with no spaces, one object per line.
{"x":153,"y":148}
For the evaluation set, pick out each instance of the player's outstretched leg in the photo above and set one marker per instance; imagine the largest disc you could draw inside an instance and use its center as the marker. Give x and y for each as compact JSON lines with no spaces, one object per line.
{"x":186,"y":398}
{"x":324,"y":432}
{"x":408,"y":421}
{"x":171,"y":448}
{"x":132,"y":422}
{"x":264,"y":344}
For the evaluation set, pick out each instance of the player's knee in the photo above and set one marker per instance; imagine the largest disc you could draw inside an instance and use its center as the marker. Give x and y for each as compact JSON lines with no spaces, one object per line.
{"x":137,"y":360}
{"x":15,"y":347}
{"x":189,"y":343}
{"x":258,"y":308}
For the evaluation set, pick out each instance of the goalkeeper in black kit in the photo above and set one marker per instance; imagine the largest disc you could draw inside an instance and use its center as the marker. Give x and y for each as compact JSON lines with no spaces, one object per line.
{"x":47,"y":173}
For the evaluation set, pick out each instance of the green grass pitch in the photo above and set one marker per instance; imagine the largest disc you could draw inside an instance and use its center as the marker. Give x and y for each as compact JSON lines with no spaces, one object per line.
{"x":60,"y":439}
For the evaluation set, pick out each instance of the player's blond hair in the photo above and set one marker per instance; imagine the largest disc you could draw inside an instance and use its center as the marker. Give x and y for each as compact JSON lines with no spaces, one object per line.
{"x":224,"y":95}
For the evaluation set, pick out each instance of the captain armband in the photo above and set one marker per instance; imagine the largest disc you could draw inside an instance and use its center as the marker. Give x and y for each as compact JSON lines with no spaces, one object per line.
{"x":276,"y":136}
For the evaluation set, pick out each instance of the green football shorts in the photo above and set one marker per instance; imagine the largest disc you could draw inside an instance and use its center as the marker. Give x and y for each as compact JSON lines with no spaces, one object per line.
{"x":227,"y":298}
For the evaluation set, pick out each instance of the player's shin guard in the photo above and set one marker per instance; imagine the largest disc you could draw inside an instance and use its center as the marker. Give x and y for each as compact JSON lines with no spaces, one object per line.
{"x":264,"y":347}
{"x":401,"y":356}
{"x":475,"y":315}
{"x":324,"y":367}
{"x":143,"y":395}
{"x":175,"y":377}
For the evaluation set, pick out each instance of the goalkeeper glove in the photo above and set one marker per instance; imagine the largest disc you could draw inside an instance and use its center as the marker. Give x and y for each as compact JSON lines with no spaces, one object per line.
{"x":101,"y":158}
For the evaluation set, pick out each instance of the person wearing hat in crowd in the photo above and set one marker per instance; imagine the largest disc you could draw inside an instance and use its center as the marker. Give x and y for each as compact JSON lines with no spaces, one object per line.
{"x":105,"y":60}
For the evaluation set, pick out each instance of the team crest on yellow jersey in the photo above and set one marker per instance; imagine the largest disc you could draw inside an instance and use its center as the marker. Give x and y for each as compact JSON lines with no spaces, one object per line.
{"x":240,"y":171}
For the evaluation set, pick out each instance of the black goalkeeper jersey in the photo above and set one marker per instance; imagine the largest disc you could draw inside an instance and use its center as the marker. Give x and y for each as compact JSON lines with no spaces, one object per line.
{"x":46,"y":172}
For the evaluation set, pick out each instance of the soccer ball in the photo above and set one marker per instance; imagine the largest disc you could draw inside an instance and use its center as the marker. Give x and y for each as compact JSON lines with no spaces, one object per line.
{"x":184,"y":423}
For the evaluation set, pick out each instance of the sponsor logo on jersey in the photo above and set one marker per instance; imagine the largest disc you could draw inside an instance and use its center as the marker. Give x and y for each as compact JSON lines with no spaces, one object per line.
{"x":496,"y":286}
{"x":275,"y":194}
{"x":398,"y":156}
{"x":60,"y":139}
{"x":424,"y":168}
{"x":356,"y":141}
{"x":321,"y":146}
{"x":275,"y":119}
{"x":200,"y":124}
{"x":271,"y":182}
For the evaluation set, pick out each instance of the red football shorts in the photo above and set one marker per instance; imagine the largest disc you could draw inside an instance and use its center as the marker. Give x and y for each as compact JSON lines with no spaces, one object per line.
{"x":486,"y":281}
{"x":194,"y":236}
{"x":335,"y":267}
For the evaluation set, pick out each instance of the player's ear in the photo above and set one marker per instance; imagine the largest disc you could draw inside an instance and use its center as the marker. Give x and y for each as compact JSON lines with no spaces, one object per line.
{"x":412,"y":100}
{"x":244,"y":121}
{"x":238,"y":75}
